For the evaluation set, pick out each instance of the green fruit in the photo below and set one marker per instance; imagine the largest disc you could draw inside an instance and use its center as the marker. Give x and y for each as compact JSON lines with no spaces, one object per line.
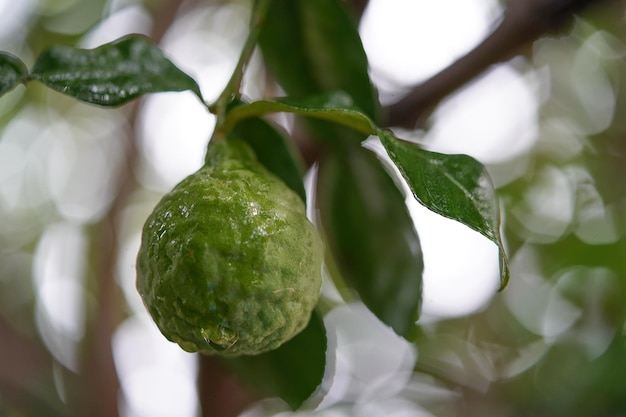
{"x":229,"y":262}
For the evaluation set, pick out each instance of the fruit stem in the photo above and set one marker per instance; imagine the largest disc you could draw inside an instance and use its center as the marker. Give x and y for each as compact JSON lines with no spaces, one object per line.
{"x":233,"y":87}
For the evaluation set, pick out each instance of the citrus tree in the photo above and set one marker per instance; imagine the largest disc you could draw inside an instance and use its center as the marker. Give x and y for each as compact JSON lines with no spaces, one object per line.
{"x":232,"y":259}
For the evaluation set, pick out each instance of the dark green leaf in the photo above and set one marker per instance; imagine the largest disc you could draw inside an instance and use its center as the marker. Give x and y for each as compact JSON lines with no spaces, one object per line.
{"x":111,"y":74}
{"x":293,"y":371}
{"x":12,"y":72}
{"x":371,"y":235}
{"x":335,"y":107}
{"x":273,"y":150}
{"x":314,"y":46}
{"x":454,"y":186}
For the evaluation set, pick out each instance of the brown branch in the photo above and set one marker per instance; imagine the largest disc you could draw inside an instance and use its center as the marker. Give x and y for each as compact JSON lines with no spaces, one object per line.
{"x":358,"y":7}
{"x":101,"y":382}
{"x":23,"y":360}
{"x":523,"y":22}
{"x":221,"y":392}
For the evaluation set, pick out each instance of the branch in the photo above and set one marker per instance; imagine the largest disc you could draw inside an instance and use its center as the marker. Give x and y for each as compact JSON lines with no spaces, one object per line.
{"x":22,"y":360}
{"x":233,"y":87}
{"x":221,"y":393}
{"x":523,"y":22}
{"x":358,"y":7}
{"x":99,"y":376}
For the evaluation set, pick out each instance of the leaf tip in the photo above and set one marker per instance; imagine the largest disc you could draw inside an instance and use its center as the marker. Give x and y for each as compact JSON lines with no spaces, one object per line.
{"x":505,"y":271}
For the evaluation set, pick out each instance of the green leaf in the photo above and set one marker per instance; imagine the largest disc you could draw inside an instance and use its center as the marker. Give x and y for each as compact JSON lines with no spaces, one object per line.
{"x":273,"y":150}
{"x":314,"y":46}
{"x":111,"y":74}
{"x":336,"y":107}
{"x":371,"y":235}
{"x":12,"y":72}
{"x":293,"y":371}
{"x":454,"y":186}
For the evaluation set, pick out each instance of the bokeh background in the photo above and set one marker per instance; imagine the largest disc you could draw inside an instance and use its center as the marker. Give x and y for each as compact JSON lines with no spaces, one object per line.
{"x":77,"y":182}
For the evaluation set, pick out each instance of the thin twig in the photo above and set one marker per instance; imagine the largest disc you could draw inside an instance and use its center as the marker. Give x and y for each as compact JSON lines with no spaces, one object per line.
{"x":233,"y":87}
{"x":523,"y":22}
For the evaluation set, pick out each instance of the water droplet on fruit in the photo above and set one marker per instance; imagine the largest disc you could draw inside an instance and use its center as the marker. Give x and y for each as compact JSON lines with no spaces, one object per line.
{"x":220,"y":340}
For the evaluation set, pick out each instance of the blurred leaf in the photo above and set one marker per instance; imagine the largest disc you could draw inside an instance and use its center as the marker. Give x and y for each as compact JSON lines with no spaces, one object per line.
{"x":314,"y":46}
{"x":335,"y":107}
{"x":111,"y":74}
{"x":293,"y":371}
{"x":12,"y":72}
{"x":371,"y":235}
{"x":454,"y":186}
{"x":273,"y":150}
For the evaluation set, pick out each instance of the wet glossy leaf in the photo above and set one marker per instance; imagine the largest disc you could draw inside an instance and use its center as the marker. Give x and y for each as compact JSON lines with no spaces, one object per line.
{"x":293,"y":371}
{"x":12,"y":72}
{"x":454,"y":186}
{"x":335,"y":107}
{"x":371,"y":235}
{"x":314,"y":46}
{"x":111,"y":74}
{"x":274,"y":151}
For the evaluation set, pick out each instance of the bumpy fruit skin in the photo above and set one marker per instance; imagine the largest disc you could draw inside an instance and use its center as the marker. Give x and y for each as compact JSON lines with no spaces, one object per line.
{"x":228,"y":262}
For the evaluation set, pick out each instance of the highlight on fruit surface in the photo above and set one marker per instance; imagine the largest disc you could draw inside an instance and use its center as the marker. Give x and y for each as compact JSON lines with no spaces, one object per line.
{"x":229,"y":262}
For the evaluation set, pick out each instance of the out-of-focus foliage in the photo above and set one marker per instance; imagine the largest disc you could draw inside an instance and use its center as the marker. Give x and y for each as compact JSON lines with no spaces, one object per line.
{"x":554,"y":342}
